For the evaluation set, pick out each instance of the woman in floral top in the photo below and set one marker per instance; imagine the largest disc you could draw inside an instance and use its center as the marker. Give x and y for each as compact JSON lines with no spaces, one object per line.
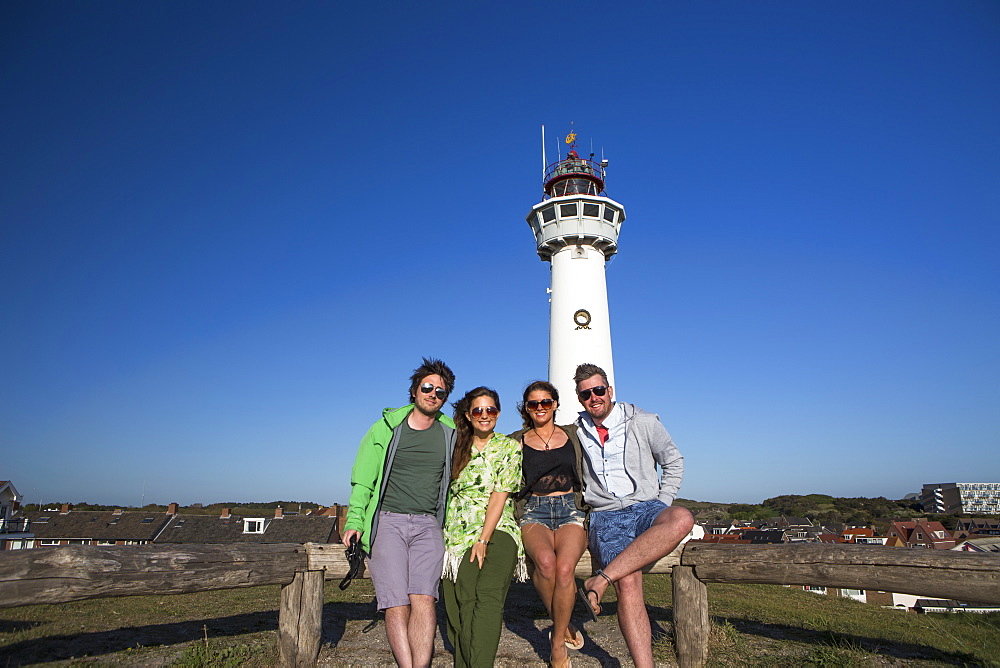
{"x":482,"y":541}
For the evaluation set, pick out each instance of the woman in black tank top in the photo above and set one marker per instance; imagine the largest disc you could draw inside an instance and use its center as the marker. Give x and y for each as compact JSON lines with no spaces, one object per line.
{"x":551,"y":511}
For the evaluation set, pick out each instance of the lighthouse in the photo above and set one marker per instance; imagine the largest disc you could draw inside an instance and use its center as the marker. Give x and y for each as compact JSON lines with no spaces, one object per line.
{"x":576,"y":231}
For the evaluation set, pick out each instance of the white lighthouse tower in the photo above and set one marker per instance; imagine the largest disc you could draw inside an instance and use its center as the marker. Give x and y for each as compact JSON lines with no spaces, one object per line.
{"x":576,"y":229}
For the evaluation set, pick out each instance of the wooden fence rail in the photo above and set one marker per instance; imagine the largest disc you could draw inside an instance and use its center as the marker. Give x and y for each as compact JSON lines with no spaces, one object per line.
{"x":941,"y":574}
{"x":77,"y":572}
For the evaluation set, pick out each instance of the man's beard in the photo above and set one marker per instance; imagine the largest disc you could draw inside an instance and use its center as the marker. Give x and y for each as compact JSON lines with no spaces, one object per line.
{"x":419,"y":407}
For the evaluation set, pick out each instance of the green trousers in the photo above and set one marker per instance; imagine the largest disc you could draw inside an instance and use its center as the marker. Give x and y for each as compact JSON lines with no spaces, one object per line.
{"x":474,"y":602}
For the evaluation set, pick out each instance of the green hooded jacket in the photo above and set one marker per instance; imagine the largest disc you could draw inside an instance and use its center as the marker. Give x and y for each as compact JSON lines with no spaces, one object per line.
{"x":374,"y":461}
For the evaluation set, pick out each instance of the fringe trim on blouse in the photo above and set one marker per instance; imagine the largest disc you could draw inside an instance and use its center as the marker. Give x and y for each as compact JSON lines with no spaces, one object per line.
{"x":452,"y":562}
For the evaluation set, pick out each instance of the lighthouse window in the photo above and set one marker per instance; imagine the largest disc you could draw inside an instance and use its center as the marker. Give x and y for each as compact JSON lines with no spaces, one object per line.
{"x":592,"y":210}
{"x":548,"y":214}
{"x":609,"y":214}
{"x":568,"y":210}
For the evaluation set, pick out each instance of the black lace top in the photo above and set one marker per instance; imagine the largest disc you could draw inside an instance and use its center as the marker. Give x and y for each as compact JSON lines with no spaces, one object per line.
{"x":550,"y":471}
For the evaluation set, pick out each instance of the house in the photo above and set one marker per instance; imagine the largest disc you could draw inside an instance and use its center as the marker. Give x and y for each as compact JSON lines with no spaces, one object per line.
{"x":725,"y":539}
{"x":229,"y":528}
{"x":764,"y":537}
{"x":924,"y":605}
{"x":788,"y":522}
{"x":13,"y":529}
{"x":919,"y":533}
{"x":336,"y":510}
{"x":94,"y":527}
{"x":981,"y":544}
{"x":717,"y":528}
{"x":978,"y":526}
{"x":862,"y":536}
{"x":805,"y":534}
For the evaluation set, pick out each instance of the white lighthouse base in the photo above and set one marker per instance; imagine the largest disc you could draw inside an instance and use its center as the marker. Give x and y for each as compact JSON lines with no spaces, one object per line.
{"x":579,"y":323}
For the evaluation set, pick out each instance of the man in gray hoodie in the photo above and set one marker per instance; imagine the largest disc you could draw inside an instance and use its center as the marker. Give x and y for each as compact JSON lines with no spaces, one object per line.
{"x":632,"y":523}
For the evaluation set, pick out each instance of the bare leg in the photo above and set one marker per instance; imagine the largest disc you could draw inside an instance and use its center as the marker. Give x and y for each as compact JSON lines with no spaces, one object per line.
{"x":539,"y":544}
{"x":570,"y":542}
{"x":422,"y":623}
{"x":659,"y":540}
{"x":633,"y":619}
{"x":397,"y":622}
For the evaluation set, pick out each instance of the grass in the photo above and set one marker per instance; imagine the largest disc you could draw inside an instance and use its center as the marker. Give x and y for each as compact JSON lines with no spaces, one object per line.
{"x":774,"y":626}
{"x":756,"y":625}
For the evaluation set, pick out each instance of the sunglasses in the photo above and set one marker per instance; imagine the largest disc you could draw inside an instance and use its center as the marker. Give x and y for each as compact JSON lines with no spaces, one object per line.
{"x":440,"y":393}
{"x":491,"y":411}
{"x":533,"y":404}
{"x":600,"y":391}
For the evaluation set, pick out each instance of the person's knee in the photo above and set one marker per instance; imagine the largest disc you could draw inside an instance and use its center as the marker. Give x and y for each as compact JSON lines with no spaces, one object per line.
{"x":565,"y":572}
{"x":685,"y":518}
{"x":421,"y":602}
{"x":545,"y":564}
{"x":679,"y":518}
{"x":629,"y":585}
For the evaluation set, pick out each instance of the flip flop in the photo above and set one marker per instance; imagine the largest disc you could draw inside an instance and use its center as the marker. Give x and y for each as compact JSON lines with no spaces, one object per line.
{"x":583,"y":595}
{"x":576,"y":643}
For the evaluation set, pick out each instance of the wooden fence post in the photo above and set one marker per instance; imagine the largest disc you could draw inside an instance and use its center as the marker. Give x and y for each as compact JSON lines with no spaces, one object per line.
{"x":300,"y":620}
{"x":690,"y":618}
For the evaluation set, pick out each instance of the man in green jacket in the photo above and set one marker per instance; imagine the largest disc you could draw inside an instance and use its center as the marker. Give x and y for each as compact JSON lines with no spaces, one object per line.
{"x":399,"y":492}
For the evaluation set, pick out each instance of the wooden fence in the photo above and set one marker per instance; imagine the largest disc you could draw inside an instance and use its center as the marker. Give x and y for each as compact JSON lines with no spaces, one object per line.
{"x":77,"y":572}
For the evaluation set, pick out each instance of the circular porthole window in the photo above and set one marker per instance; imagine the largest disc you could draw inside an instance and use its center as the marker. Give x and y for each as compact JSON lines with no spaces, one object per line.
{"x":582,"y":319}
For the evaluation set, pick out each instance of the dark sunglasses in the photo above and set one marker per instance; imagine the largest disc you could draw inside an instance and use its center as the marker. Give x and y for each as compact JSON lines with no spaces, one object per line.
{"x":533,"y":404}
{"x":600,"y":391}
{"x":427,"y":388}
{"x":491,"y":411}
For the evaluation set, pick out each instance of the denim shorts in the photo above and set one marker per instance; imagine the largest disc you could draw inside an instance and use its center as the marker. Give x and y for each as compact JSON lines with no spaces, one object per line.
{"x":611,"y":531}
{"x":553,"y":511}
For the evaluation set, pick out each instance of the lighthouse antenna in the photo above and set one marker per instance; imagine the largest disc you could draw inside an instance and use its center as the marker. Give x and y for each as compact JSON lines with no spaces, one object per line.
{"x":544,"y":164}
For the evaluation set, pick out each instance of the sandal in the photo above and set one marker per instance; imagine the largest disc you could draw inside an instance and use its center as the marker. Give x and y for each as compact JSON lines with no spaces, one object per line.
{"x":574,"y":642}
{"x":584,"y":596}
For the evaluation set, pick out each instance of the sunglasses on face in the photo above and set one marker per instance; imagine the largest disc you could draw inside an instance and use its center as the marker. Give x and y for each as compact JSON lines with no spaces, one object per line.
{"x":491,"y":411}
{"x":533,"y":404}
{"x":440,"y":393}
{"x":600,"y":391}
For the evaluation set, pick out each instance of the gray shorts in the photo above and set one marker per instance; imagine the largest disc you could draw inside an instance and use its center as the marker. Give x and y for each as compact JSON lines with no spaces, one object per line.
{"x":407,"y":558}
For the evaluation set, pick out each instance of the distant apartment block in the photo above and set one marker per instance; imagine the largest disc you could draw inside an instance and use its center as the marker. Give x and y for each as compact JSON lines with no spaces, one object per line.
{"x":956,"y":498}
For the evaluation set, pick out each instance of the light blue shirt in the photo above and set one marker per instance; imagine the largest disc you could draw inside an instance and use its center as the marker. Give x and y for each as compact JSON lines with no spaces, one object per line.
{"x":608,"y":462}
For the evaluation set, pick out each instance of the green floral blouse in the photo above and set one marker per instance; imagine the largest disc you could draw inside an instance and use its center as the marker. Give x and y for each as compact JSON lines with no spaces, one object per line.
{"x":496,"y":469}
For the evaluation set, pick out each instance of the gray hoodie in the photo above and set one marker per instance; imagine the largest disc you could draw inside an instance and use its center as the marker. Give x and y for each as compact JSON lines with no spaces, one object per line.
{"x":647,"y":443}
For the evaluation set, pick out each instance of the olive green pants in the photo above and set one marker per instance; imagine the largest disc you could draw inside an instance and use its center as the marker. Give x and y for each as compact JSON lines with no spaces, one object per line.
{"x":474,"y":602}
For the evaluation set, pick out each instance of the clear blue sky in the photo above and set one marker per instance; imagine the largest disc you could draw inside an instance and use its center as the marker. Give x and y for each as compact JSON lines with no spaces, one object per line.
{"x":230,"y":230}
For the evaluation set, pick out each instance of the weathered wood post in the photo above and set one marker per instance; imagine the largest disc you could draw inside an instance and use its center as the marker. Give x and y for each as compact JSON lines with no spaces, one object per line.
{"x":690,"y":618}
{"x":300,"y":620}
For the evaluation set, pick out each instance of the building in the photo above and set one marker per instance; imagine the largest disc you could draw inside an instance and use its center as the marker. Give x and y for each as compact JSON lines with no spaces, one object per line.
{"x":229,"y":528}
{"x":962,"y":498}
{"x":931,"y":535}
{"x":978,"y":526}
{"x":52,"y":528}
{"x":14,"y":532}
{"x":576,"y":230}
{"x":66,"y":526}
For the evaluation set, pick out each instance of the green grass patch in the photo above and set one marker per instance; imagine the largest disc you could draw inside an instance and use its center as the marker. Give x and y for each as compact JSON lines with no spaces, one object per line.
{"x":773,"y":625}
